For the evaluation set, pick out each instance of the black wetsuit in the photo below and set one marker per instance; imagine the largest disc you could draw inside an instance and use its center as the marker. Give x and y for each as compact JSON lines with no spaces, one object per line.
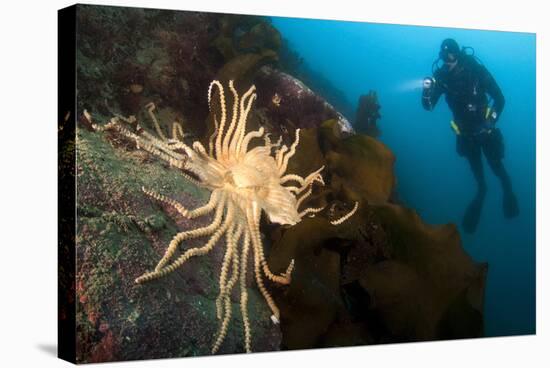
{"x":466,"y":88}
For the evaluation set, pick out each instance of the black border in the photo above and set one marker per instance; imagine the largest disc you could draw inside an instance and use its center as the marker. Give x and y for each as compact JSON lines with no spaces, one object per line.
{"x":66,"y":189}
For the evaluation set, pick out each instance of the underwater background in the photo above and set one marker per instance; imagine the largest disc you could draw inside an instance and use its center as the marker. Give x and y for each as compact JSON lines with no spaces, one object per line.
{"x":392,"y":60}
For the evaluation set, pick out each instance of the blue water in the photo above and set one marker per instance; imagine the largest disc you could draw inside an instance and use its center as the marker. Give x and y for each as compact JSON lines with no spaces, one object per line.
{"x":432,"y":178}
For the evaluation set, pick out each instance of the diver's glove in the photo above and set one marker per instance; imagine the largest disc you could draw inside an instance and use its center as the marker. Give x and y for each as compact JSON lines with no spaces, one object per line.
{"x":491,"y":118}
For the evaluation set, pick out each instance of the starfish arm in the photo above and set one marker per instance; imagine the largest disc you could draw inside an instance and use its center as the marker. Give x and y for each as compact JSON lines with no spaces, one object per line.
{"x":212,"y":203}
{"x":227,"y":259}
{"x":346,"y":216}
{"x":212,"y":137}
{"x":279,"y":155}
{"x":150,"y":107}
{"x":269,"y":300}
{"x":218,"y":145}
{"x":165,"y":146}
{"x":129,"y":120}
{"x":234,"y":273}
{"x":258,"y":273}
{"x":308,"y":211}
{"x":283,"y":279}
{"x":279,"y":141}
{"x":175,"y":144}
{"x":175,"y":162}
{"x":267,"y":142}
{"x":193,"y":180}
{"x":246,"y":141}
{"x":269,"y":145}
{"x":153,"y":145}
{"x":207,"y":208}
{"x":284,"y":164}
{"x":294,"y":190}
{"x":114,"y":123}
{"x":177,"y":129}
{"x":222,"y":332}
{"x":293,"y":177}
{"x":225,"y":144}
{"x":309,"y":185}
{"x":184,"y":257}
{"x":304,"y":196}
{"x":195,"y":233}
{"x":158,"y":148}
{"x":243,"y":116}
{"x":304,"y":182}
{"x":316,"y":175}
{"x":244,"y":292}
{"x":197,"y":146}
{"x":254,"y":228}
{"x":225,"y":293}
{"x":234,"y":243}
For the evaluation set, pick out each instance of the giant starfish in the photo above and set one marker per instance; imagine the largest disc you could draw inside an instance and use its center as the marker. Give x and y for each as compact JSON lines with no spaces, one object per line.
{"x":243,"y":183}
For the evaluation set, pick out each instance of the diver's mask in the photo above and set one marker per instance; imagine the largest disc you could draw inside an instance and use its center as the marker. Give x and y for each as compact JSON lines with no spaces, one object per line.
{"x":447,"y":56}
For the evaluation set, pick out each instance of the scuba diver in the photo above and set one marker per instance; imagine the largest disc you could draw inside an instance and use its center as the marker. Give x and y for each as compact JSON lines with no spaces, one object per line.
{"x":467,"y":84}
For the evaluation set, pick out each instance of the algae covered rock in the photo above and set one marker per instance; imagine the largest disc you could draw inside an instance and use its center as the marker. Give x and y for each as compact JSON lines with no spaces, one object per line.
{"x":360,"y":166}
{"x":357,"y":167}
{"x":383,"y":275}
{"x":288,"y":102}
{"x":260,"y":36}
{"x":312,"y":300}
{"x":431,"y":288}
{"x":242,"y":67}
{"x":239,"y":34}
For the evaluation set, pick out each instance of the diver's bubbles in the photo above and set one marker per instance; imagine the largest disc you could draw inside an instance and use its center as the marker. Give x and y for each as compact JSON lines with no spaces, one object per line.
{"x":410,"y":85}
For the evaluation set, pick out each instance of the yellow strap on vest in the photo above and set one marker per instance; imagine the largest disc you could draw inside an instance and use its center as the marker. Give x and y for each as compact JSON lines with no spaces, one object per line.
{"x":455,"y":127}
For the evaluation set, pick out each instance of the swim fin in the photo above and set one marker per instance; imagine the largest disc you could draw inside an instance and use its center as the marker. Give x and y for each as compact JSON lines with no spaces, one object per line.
{"x":473,"y":213}
{"x":510,"y":204}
